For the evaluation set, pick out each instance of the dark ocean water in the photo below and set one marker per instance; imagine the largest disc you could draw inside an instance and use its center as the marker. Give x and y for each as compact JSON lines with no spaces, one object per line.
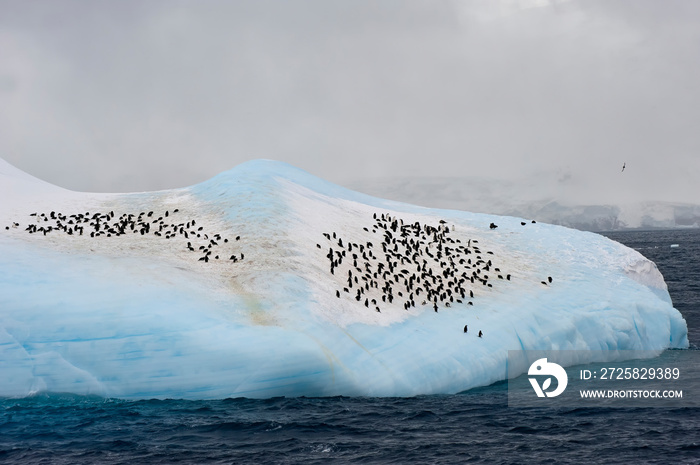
{"x":473,"y":427}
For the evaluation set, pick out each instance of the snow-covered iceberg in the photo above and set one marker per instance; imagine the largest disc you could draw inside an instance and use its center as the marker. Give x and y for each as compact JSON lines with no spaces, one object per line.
{"x":225,"y":289}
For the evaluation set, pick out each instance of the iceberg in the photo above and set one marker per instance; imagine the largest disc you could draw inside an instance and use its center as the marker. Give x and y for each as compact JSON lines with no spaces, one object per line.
{"x":246,"y":285}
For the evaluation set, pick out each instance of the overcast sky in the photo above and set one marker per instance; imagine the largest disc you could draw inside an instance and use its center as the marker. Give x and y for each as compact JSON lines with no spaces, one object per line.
{"x":119,"y":96}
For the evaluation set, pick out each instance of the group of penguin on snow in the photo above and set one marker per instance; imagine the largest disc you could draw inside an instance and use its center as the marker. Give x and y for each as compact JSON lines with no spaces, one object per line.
{"x":143,"y":223}
{"x":411,"y":262}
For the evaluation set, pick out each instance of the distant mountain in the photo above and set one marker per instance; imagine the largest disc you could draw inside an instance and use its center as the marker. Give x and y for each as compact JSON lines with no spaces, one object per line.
{"x":531,"y":200}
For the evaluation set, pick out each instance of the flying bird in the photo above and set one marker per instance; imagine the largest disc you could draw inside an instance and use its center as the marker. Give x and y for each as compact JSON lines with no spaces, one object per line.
{"x":623,"y":167}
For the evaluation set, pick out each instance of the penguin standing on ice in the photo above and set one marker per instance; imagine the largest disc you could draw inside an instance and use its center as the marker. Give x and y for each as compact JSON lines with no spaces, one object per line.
{"x":465,"y":329}
{"x":480,"y":333}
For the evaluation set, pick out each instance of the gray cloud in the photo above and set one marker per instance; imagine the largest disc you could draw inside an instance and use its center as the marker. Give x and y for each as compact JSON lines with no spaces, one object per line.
{"x":132,"y":95}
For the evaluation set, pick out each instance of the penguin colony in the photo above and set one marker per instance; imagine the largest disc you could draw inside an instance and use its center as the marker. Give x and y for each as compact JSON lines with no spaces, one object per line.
{"x":108,"y":225}
{"x":410,"y":262}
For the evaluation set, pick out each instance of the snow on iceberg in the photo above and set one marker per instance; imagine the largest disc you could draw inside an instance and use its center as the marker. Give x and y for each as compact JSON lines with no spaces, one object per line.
{"x":124,"y":295}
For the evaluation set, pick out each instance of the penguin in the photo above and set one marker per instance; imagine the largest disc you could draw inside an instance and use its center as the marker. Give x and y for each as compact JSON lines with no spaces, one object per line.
{"x":549,"y":278}
{"x":465,"y":329}
{"x":480,"y":333}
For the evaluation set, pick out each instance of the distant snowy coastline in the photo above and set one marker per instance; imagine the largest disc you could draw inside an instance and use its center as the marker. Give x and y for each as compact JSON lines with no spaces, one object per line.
{"x":527,"y":199}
